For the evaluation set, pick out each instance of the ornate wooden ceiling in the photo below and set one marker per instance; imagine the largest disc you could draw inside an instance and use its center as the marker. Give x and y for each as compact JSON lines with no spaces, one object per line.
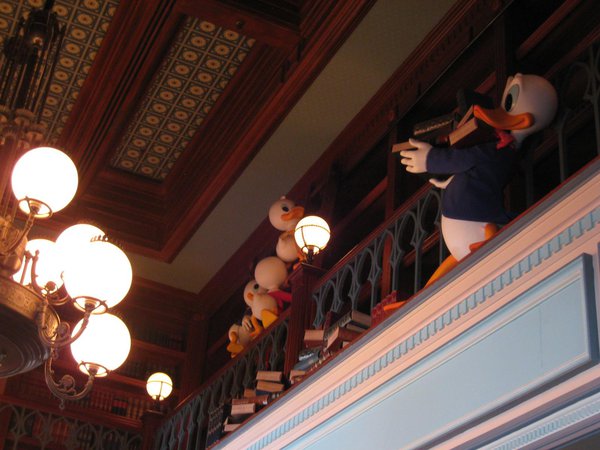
{"x":162,"y":103}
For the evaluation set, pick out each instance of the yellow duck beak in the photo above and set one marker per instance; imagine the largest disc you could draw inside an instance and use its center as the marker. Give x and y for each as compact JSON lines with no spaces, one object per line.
{"x":234,"y":348}
{"x":498,"y":118}
{"x":268,"y":317}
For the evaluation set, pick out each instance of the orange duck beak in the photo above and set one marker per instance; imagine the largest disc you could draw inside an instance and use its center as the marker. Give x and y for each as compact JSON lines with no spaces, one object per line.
{"x":498,"y":118}
{"x":297,"y":212}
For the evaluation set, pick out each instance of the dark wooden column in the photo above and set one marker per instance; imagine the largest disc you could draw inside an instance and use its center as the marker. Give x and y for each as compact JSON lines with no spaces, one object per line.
{"x":195,"y":355}
{"x":393,"y":163}
{"x":151,"y":421}
{"x":302,"y":310}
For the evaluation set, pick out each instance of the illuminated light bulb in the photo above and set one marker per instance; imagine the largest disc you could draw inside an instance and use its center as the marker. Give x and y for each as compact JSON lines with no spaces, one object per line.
{"x":312,"y":234}
{"x":104,"y":345}
{"x":46,"y":175}
{"x":99,"y":270}
{"x":159,"y":386}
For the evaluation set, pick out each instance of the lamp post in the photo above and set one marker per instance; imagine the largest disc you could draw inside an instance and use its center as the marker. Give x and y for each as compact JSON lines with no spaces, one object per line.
{"x":312,"y":235}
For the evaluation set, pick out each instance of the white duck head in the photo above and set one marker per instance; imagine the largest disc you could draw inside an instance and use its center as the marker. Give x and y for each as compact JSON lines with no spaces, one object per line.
{"x":258,"y":300}
{"x":284,"y":214}
{"x":529,"y":104}
{"x":251,"y":290}
{"x":270,"y":273}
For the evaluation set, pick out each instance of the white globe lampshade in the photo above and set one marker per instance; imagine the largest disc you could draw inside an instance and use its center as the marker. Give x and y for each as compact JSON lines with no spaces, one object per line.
{"x":48,"y":268}
{"x":46,"y":175}
{"x":312,"y":234}
{"x":71,"y":239}
{"x":98,"y":271}
{"x":103,"y":345}
{"x":159,"y":386}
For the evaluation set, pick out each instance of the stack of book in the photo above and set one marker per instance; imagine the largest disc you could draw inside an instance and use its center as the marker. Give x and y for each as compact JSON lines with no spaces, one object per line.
{"x":470,"y":131}
{"x":345,"y":329}
{"x":242,"y":408}
{"x":269,"y":382}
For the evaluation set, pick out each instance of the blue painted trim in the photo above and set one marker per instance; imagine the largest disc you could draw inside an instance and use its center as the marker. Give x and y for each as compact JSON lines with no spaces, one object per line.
{"x":544,"y":252}
{"x":586,"y":267}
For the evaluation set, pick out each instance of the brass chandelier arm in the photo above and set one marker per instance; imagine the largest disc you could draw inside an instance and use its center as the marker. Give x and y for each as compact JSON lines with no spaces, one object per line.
{"x":62,"y":336}
{"x":65,"y":389}
{"x":49,"y":293}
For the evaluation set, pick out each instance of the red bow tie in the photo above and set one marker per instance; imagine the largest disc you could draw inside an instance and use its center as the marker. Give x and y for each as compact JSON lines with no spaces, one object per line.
{"x":504,"y":139}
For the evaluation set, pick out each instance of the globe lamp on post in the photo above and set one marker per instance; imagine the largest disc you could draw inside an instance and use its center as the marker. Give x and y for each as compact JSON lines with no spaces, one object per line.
{"x":312,"y":234}
{"x":159,"y":386}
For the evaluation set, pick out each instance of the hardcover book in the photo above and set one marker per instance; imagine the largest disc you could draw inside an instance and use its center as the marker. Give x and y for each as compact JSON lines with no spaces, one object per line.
{"x":229,"y":427}
{"x":268,"y":386}
{"x":269,"y":375}
{"x":397,"y":148}
{"x":313,"y":338}
{"x":243,"y":408}
{"x":436,"y":130}
{"x":257,"y":399}
{"x":473,"y":132}
{"x":339,"y":335}
{"x":249,"y":393}
{"x":353,"y":320}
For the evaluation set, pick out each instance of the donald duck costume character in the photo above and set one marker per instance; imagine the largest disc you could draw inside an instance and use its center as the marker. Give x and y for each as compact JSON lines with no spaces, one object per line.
{"x":472,"y":204}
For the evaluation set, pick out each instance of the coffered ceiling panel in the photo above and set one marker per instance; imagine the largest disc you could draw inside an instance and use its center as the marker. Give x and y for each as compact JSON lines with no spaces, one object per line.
{"x":196,"y":71}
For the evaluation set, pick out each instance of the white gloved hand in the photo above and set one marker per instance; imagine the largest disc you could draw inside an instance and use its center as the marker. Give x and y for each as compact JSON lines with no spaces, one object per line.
{"x":416,"y":160}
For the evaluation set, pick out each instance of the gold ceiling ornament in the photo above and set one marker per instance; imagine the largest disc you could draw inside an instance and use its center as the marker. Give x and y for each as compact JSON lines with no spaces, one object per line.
{"x":82,"y":267}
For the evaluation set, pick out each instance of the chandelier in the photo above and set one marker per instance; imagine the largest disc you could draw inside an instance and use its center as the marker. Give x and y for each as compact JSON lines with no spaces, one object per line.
{"x":82,"y":267}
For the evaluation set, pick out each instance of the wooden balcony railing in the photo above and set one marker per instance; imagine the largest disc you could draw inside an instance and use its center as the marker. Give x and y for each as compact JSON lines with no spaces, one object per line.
{"x":186,"y":427}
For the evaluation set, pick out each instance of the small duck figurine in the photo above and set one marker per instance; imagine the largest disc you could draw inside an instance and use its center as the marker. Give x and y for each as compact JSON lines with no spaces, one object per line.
{"x":284,"y":215}
{"x":240,"y":336}
{"x":271,"y":274}
{"x":263,"y":306}
{"x":472,"y":204}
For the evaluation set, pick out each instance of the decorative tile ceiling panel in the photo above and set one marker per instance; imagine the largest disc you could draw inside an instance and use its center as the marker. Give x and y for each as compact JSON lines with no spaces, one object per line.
{"x":195,"y":72}
{"x":86,"y":24}
{"x":193,"y":75}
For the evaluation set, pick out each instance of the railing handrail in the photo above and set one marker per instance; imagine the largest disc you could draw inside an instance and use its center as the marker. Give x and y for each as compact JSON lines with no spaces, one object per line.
{"x":405,"y":207}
